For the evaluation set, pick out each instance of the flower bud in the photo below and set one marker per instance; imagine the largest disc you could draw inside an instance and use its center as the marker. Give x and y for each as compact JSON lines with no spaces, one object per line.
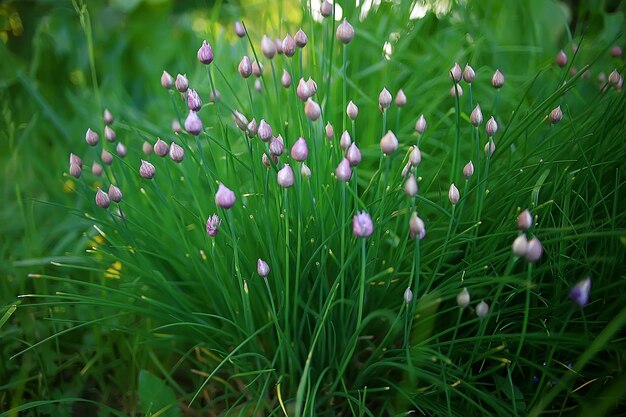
{"x":109,"y":134}
{"x":107,"y":116}
{"x":579,"y":294}
{"x":453,"y":194}
{"x":257,"y":69}
{"x":193,"y":124}
{"x":252,"y":128}
{"x":408,"y":295}
{"x":463,"y":298}
{"x":415,"y":157}
{"x":312,"y":110}
{"x":455,"y":73}
{"x":345,"y":32}
{"x":167,"y":81}
{"x":300,"y":38}
{"x":107,"y":157}
{"x":299,"y":150}
{"x":258,"y":86}
{"x":476,"y":117}
{"x":285,"y":79}
{"x":285,"y":177}
{"x":400,"y":98}
{"x":305,"y":171}
{"x":266,"y":160}
{"x":410,"y":186}
{"x":193,"y":100}
{"x":535,"y":250}
{"x":121,"y":150}
{"x":115,"y":194}
{"x":102,"y":199}
{"x":176,"y":126}
{"x":561,"y":58}
{"x":279,"y":46}
{"x":389,"y":143}
{"x":456,"y":88}
{"x":239,"y":29}
{"x":160,"y":148}
{"x":345,"y":140}
{"x":352,"y":110}
{"x":490,"y":148}
{"x":91,"y":137}
{"x":384,"y":99}
{"x":240,"y":120}
{"x":326,"y":8}
{"x":268,"y":47}
{"x":303,"y":91}
{"x":224,"y":197}
{"x":420,"y":125}
{"x":214,"y":98}
{"x":330,"y":132}
{"x":205,"y":53}
{"x":497,"y":81}
{"x":343,"y":172}
{"x":417,"y":228}
{"x":312,"y":86}
{"x":406,"y":170}
{"x":556,"y":115}
{"x":469,"y":75}
{"x":96,"y":169}
{"x":277,"y":146}
{"x":265,"y":131}
{"x":482,"y":309}
{"x":75,"y":159}
{"x":75,"y":170}
{"x":177,"y":153}
{"x":525,"y":220}
{"x":289,"y":46}
{"x":353,"y":155}
{"x":146,"y":148}
{"x":262,"y":268}
{"x":182,"y":83}
{"x":520,"y":246}
{"x":616,"y":51}
{"x":245,"y":67}
{"x":147,"y":170}
{"x":213,"y":224}
{"x":468,"y":170}
{"x":362,"y":225}
{"x":491,"y":127}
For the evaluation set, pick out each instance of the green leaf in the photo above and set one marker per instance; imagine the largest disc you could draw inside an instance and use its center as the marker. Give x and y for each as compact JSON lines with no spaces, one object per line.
{"x":157,"y":399}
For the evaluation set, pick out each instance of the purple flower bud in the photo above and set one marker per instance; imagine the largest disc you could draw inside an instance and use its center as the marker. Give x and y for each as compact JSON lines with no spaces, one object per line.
{"x":193,"y":124}
{"x":497,"y":81}
{"x":96,"y":169}
{"x":312,"y":86}
{"x":277,"y":146}
{"x":400,"y":98}
{"x":299,"y":150}
{"x":279,"y":46}
{"x":193,"y":100}
{"x":91,"y":137}
{"x":468,"y":170}
{"x":284,"y":177}
{"x":343,"y":172}
{"x":362,"y":225}
{"x":303,"y":91}
{"x":352,"y":110}
{"x":535,"y":250}
{"x":205,"y":53}
{"x":453,"y":194}
{"x":107,"y":116}
{"x":417,"y":228}
{"x":107,"y":157}
{"x":456,"y":88}
{"x":415,"y":157}
{"x":285,"y":79}
{"x":252,"y":128}
{"x":520,"y":246}
{"x":345,"y":32}
{"x":176,"y":126}
{"x":102,"y":199}
{"x":561,"y":58}
{"x":121,"y":150}
{"x":213,"y":224}
{"x":389,"y":143}
{"x":182,"y":83}
{"x":579,"y":294}
{"x":74,"y":159}
{"x":262,"y":268}
{"x":239,"y":29}
{"x":463,"y":298}
{"x":330,"y":132}
{"x":469,"y":75}
{"x":146,"y":148}
{"x":556,"y":115}
{"x":160,"y":148}
{"x":353,"y":155}
{"x":300,"y":38}
{"x":167,"y":81}
{"x":257,"y":69}
{"x":616,"y":51}
{"x":268,"y":47}
{"x":326,"y":8}
{"x":420,"y":125}
{"x":408,"y":295}
{"x":115,"y":194}
{"x":384,"y":99}
{"x":305,"y":171}
{"x":482,"y":309}
{"x":266,"y":160}
{"x":490,"y":148}
{"x":224,"y":197}
{"x":410,"y":186}
{"x":147,"y":170}
{"x":109,"y":134}
{"x":312,"y":110}
{"x":240,"y":120}
{"x":75,"y":170}
{"x":476,"y":117}
{"x":345,"y":140}
{"x":265,"y":131}
{"x":289,"y":46}
{"x":491,"y":127}
{"x":455,"y":73}
{"x":525,"y":220}
{"x":177,"y":153}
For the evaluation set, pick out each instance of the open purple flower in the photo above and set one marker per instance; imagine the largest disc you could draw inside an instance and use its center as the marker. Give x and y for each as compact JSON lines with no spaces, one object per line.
{"x":362,"y":225}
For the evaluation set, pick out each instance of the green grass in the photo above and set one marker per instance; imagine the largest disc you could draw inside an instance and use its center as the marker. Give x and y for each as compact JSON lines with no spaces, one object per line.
{"x":140,"y":312}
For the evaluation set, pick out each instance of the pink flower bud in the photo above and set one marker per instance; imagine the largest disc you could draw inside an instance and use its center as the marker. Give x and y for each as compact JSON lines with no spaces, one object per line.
{"x":147,"y":170}
{"x":239,"y":29}
{"x":453,"y":194}
{"x":469,"y":75}
{"x":285,"y":79}
{"x":74,"y":159}
{"x":579,"y":294}
{"x":312,"y":110}
{"x":415,"y":157}
{"x":456,"y":88}
{"x":121,"y":150}
{"x":362,"y":225}
{"x":345,"y":140}
{"x":614,"y":77}
{"x":476,"y":117}
{"x":107,"y":116}
{"x":109,"y":134}
{"x":482,"y":309}
{"x":343,"y":172}
{"x":102,"y":199}
{"x":616,"y":51}
{"x":177,"y":153}
{"x":556,"y":115}
{"x":213,"y":224}
{"x":265,"y":131}
{"x":262,"y":268}
{"x":167,"y":81}
{"x":96,"y":169}
{"x":285,"y":177}
{"x":491,"y":127}
{"x":205,"y":53}
{"x":352,"y":110}
{"x":300,"y":38}
{"x":303,"y":91}
{"x":193,"y":124}
{"x":468,"y":170}
{"x":279,"y":46}
{"x":115,"y":194}
{"x":497,"y":81}
{"x":455,"y":73}
{"x":330,"y":132}
{"x":525,"y":220}
{"x":561,"y":58}
{"x":420,"y":125}
{"x":252,"y":128}
{"x":289,"y":46}
{"x":389,"y":143}
{"x":299,"y":150}
{"x":326,"y":8}
{"x":258,"y":86}
{"x":353,"y":155}
{"x":400,"y":98}
{"x":305,"y":171}
{"x":535,"y":250}
{"x":146,"y":148}
{"x":410,"y":186}
{"x":176,"y":126}
{"x":520,"y":246}
{"x":417,"y":228}
{"x":107,"y":157}
{"x":91,"y":137}
{"x":268,"y":47}
{"x":224,"y":197}
{"x":312,"y":86}
{"x":75,"y":170}
{"x":182,"y":83}
{"x":245,"y":67}
{"x":345,"y":32}
{"x":257,"y":69}
{"x":161,"y":148}
{"x":384,"y":99}
{"x":277,"y":146}
{"x":490,"y":148}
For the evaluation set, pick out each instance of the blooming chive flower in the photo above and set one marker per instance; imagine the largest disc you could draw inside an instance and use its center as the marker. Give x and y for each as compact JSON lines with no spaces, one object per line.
{"x":556,"y":115}
{"x":147,"y":170}
{"x":102,"y":199}
{"x":463,"y":298}
{"x":469,"y":75}
{"x":455,"y":73}
{"x":193,"y":124}
{"x":177,"y":153}
{"x":167,"y":81}
{"x":213,"y":225}
{"x":420,"y":125}
{"x":362,"y":225}
{"x":352,"y":110}
{"x":525,"y":220}
{"x":417,"y":228}
{"x":161,"y":148}
{"x":224,"y":197}
{"x":453,"y":194}
{"x":353,"y":155}
{"x":400,"y":98}
{"x":299,"y":150}
{"x":389,"y":143}
{"x":182,"y":83}
{"x":408,"y":295}
{"x":476,"y":117}
{"x":345,"y":32}
{"x":91,"y":137}
{"x":115,"y":194}
{"x":284,"y":177}
{"x":579,"y":294}
{"x":535,"y":250}
{"x":205,"y":53}
{"x":262,"y":268}
{"x":482,"y":309}
{"x":497,"y":81}
{"x":343,"y":171}
{"x":468,"y":170}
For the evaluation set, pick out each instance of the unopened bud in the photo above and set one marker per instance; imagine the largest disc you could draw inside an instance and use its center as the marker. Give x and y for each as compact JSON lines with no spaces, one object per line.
{"x":463,"y":298}
{"x":121,"y":150}
{"x":389,"y":143}
{"x":224,"y":197}
{"x":193,"y":124}
{"x":239,"y":29}
{"x":268,"y":47}
{"x":384,"y":99}
{"x":453,"y":194}
{"x":614,"y":77}
{"x":400,"y":98}
{"x":102,"y":199}
{"x":343,"y":171}
{"x":417,"y":228}
{"x":353,"y":155}
{"x":497,"y":81}
{"x":107,"y":116}
{"x":264,"y":131}
{"x":561,"y":58}
{"x":205,"y":53}
{"x":214,"y":95}
{"x":468,"y":170}
{"x":160,"y":148}
{"x":410,"y":186}
{"x":277,"y":146}
{"x":408,"y":295}
{"x":177,"y":153}
{"x":305,"y":171}
{"x":107,"y":157}
{"x":525,"y":220}
{"x":240,"y":120}
{"x":490,"y":148}
{"x":262,"y":268}
{"x":193,"y":100}
{"x":456,"y":88}
{"x":167,"y":81}
{"x":176,"y":126}
{"x":303,"y":91}
{"x":75,"y":170}
{"x":285,"y":177}
{"x":345,"y":32}
{"x":146,"y":148}
{"x":91,"y":137}
{"x":535,"y":250}
{"x":182,"y":83}
{"x":279,"y":46}
{"x":482,"y":309}
{"x":616,"y":51}
{"x":289,"y":46}
{"x":352,"y":110}
{"x":285,"y":79}
{"x":469,"y":75}
{"x":109,"y":134}
{"x":491,"y":127}
{"x":115,"y":194}
{"x":476,"y":117}
{"x":312,"y":110}
{"x":579,"y":294}
{"x":147,"y":170}
{"x":96,"y":169}
{"x":245,"y":67}
{"x":75,"y":159}
{"x":330,"y":132}
{"x":345,"y":140}
{"x":299,"y":150}
{"x":362,"y":225}
{"x":420,"y":125}
{"x":415,"y":157}
{"x":258,"y":86}
{"x":556,"y":115}
{"x":300,"y":38}
{"x":520,"y":246}
{"x":252,"y":128}
{"x":455,"y":73}
{"x":257,"y":69}
{"x":326,"y":8}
